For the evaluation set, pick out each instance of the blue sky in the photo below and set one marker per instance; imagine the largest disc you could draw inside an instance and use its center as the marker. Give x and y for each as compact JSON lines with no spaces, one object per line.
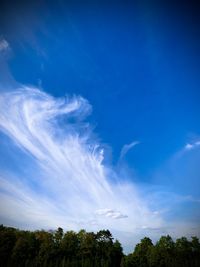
{"x":102,"y":99}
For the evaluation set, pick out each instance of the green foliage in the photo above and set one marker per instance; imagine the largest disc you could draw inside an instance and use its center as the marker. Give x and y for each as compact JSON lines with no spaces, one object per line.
{"x":58,"y":249}
{"x":165,"y":253}
{"x":141,"y":252}
{"x":7,"y":242}
{"x":88,"y":249}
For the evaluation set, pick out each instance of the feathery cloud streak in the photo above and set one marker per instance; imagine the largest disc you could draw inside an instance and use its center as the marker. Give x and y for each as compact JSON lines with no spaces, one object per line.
{"x":126,"y":148}
{"x":73,"y":184}
{"x":4,"y":45}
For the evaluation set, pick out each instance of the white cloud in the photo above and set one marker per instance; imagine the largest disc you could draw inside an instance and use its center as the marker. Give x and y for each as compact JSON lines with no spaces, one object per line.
{"x":110,"y":213}
{"x":73,"y":188}
{"x":190,"y":146}
{"x":72,"y":180}
{"x":4,"y":45}
{"x":127,"y":147}
{"x":67,"y":183}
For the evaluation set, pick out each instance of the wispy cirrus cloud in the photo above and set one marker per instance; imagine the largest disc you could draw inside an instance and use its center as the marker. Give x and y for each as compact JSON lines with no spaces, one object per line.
{"x":127,"y":147}
{"x":4,"y":45}
{"x":66,"y":181}
{"x":72,"y":185}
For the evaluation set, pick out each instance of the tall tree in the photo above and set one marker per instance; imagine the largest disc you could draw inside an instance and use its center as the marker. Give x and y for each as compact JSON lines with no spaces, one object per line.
{"x":163,"y":253}
{"x":141,"y":252}
{"x":7,"y":242}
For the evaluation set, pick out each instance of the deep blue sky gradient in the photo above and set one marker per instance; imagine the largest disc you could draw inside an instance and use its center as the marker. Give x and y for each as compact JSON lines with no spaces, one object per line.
{"x":137,"y":63}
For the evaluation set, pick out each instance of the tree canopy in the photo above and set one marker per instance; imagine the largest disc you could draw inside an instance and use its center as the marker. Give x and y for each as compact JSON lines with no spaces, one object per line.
{"x":88,"y":249}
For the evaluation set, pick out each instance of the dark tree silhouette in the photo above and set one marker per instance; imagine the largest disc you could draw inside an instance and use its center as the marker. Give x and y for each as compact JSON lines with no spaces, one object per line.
{"x":88,"y":249}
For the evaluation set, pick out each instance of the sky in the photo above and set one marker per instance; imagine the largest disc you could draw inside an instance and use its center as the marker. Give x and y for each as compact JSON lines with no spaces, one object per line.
{"x":99,"y":117}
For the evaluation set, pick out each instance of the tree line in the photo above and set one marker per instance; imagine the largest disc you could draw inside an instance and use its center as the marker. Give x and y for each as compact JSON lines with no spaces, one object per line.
{"x":165,"y":253}
{"x":88,"y":249}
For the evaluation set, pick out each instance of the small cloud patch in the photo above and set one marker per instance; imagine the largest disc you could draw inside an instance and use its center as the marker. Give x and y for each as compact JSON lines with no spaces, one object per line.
{"x":4,"y":45}
{"x":190,"y":146}
{"x":110,"y":213}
